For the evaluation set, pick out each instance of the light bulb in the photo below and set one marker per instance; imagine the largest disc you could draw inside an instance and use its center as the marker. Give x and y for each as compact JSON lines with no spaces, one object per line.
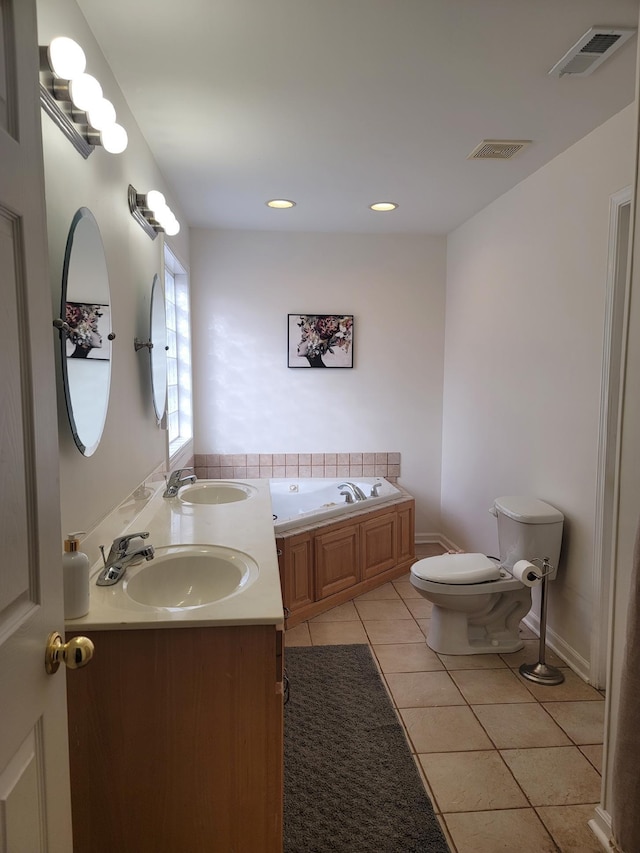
{"x":114,"y":138}
{"x":85,"y":92}
{"x":172,"y":227}
{"x":66,"y":58}
{"x":102,"y":114}
{"x":155,"y":202}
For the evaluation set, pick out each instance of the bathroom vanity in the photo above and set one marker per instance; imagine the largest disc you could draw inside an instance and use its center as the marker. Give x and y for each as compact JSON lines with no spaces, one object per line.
{"x":176,"y":725}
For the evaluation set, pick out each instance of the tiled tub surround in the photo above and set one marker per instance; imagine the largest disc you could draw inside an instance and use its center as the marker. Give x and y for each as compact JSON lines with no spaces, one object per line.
{"x":226,"y":466}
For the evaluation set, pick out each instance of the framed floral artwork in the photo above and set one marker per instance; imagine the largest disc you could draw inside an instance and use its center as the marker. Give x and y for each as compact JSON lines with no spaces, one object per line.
{"x":320,"y":340}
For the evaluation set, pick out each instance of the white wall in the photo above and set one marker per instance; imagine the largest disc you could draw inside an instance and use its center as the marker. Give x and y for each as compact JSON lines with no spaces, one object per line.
{"x":248,"y":401}
{"x":132,"y":444}
{"x":523,"y":355}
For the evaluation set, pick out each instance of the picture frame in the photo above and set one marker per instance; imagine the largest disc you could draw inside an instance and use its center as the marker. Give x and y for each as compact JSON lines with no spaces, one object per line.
{"x":87,"y":333}
{"x":320,"y":340}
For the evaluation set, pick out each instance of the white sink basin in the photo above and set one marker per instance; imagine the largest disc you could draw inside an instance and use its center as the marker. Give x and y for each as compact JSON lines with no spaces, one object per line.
{"x":186,"y":576}
{"x":215,"y":492}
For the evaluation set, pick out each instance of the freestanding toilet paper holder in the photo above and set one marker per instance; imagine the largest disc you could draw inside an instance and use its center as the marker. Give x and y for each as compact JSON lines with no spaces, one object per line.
{"x":541,"y":672}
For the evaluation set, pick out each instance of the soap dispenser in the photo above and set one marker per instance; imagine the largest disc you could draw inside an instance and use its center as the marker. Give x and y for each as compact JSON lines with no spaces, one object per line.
{"x":75,"y":574}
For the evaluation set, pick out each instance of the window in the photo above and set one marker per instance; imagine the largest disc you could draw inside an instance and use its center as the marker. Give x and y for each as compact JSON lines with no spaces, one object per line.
{"x":179,"y":402}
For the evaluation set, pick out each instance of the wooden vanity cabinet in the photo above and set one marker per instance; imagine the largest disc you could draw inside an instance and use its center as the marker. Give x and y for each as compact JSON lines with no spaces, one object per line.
{"x":176,"y":741}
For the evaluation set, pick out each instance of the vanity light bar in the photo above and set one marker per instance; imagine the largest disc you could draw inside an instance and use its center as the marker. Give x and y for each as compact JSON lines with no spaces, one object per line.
{"x":152,"y":213}
{"x":73,"y":99}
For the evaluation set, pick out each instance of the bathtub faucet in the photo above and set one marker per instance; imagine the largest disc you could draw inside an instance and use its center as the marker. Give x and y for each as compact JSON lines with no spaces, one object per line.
{"x":353,"y":491}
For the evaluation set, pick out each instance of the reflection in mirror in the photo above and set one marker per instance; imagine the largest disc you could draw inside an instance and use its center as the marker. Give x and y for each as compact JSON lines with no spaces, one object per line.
{"x":86,"y":340}
{"x":158,"y":337}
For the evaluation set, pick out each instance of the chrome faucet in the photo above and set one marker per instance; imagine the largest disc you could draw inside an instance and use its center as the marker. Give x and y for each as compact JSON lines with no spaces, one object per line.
{"x":352,"y":490}
{"x":120,"y":557}
{"x":176,"y":479}
{"x":375,"y":490}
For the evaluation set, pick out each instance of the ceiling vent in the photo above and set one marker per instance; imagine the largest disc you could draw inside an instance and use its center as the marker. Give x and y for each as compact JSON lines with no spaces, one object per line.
{"x":596,"y":45}
{"x":497,"y":149}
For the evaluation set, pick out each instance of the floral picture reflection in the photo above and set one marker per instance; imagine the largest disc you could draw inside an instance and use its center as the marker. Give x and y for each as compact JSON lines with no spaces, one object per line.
{"x":320,"y":340}
{"x":88,"y":327}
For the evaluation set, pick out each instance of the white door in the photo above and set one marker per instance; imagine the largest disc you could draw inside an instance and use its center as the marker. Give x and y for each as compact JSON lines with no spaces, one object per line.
{"x":35,"y":812}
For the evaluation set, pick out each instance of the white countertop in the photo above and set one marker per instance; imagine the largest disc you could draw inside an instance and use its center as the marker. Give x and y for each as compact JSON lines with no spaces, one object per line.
{"x":245,"y":526}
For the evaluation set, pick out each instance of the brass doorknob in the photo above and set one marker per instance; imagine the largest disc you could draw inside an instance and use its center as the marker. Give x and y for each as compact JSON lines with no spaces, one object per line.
{"x":74,"y":654}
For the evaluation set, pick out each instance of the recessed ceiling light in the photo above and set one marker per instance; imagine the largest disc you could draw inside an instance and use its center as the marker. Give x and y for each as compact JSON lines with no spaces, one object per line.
{"x":383,"y":205}
{"x":280,"y":203}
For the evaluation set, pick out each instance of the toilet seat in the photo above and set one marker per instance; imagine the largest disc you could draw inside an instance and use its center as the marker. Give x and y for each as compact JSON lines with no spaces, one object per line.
{"x":458,"y":569}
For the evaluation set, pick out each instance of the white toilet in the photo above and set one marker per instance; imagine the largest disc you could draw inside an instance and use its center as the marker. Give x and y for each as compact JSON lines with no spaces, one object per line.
{"x":477,"y":603}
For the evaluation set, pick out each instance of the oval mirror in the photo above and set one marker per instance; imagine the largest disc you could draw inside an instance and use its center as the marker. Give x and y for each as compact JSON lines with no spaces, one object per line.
{"x":86,"y":339}
{"x":158,"y":338}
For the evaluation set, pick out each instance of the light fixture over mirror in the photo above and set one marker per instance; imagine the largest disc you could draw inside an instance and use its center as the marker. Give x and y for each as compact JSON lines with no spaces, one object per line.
{"x":73,"y":99}
{"x":152,"y":213}
{"x":85,"y":332}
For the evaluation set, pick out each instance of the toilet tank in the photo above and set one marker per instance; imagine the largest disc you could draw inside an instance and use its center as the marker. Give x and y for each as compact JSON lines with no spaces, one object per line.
{"x":528,"y":528}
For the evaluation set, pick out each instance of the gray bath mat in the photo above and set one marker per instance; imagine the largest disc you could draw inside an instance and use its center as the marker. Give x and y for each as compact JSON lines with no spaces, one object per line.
{"x":351,"y":785}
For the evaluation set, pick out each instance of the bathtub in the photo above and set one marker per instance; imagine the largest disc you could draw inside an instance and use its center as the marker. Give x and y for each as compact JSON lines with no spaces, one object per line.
{"x":300,"y":502}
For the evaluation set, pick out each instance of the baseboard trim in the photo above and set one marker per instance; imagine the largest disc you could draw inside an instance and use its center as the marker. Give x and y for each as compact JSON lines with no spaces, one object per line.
{"x":568,"y":654}
{"x":600,"y":825}
{"x":436,"y":539}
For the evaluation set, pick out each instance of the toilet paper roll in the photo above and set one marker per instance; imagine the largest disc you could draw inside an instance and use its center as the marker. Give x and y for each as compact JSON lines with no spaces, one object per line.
{"x":527,"y":573}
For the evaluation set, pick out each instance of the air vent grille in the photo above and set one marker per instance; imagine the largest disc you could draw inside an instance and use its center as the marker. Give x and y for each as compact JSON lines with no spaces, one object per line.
{"x":497,"y":149}
{"x":590,"y":51}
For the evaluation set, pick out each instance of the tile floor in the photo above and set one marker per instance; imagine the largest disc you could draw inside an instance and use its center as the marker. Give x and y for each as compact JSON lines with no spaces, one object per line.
{"x":508,"y":764}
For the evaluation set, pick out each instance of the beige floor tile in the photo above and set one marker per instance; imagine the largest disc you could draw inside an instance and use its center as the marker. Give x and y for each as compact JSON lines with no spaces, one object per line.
{"x":393,"y":631}
{"x":520,"y":725}
{"x":386,"y":591}
{"x":405,"y":589}
{"x":573,"y":688}
{"x":490,"y":686}
{"x":554,"y":776}
{"x":499,"y":832}
{"x":530,"y":654}
{"x":594,"y":753}
{"x":407,"y":657}
{"x":423,"y":689}
{"x":298,"y":636}
{"x":526,"y":633}
{"x":377,"y":610}
{"x":336,"y":633}
{"x":446,"y":833}
{"x":568,"y":825}
{"x":342,"y":613}
{"x":450,"y":729}
{"x":419,"y":608}
{"x":472,"y":662}
{"x":424,"y":625}
{"x":471,"y":781}
{"x":423,"y":779}
{"x":582,"y":721}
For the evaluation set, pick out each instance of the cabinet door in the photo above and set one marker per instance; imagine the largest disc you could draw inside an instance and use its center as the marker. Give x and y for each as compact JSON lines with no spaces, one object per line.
{"x":378,"y":541}
{"x":296,"y":571}
{"x":406,"y":532}
{"x":337,"y":560}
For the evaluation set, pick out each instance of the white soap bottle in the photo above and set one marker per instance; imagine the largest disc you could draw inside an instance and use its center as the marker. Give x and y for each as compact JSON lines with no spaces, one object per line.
{"x":75,"y":574}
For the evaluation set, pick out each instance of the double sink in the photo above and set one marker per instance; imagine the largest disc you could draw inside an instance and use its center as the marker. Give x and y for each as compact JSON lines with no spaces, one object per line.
{"x":188,"y":572}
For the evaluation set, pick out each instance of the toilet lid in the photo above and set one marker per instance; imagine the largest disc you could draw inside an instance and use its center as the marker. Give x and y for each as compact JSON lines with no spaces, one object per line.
{"x":457,"y":568}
